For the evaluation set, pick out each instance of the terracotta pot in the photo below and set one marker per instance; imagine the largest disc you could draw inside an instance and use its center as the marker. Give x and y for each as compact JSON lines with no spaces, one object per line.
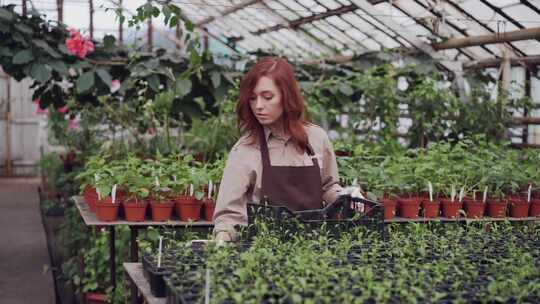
{"x":450,"y":209}
{"x":188,"y":208}
{"x":389,"y":205}
{"x":161,"y":210}
{"x":430,"y":209}
{"x":95,"y":298}
{"x":409,"y":207}
{"x":121,"y":195}
{"x":535,"y":208}
{"x":90,"y":197}
{"x":343,"y":153}
{"x":497,"y":209}
{"x":106,"y":211}
{"x":474,"y":208}
{"x":209,"y":206}
{"x":134,"y":210}
{"x":519,"y":207}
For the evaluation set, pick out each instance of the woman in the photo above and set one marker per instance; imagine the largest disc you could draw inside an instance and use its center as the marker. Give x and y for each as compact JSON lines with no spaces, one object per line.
{"x":281,"y":158}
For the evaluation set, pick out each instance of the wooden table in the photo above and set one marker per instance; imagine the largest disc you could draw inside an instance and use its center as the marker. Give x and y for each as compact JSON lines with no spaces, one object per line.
{"x":135,"y":274}
{"x":90,"y":219}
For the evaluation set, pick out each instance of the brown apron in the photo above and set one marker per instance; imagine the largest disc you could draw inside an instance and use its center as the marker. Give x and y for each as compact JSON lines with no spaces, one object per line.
{"x":297,"y":188}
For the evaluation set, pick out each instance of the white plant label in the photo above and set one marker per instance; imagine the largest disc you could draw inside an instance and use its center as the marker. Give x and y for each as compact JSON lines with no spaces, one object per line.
{"x":461,"y":193}
{"x":453,"y":193}
{"x":430,"y":188}
{"x":98,"y":194}
{"x":210,"y":186}
{"x":529,"y":194}
{"x":113,"y":193}
{"x":174,"y":178}
{"x":190,"y":189}
{"x":159,"y":251}
{"x":156,"y":182}
{"x":485,"y":194}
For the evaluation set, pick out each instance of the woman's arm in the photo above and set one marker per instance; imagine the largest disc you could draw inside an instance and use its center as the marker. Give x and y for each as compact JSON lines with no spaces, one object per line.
{"x":329,"y":176}
{"x":232,"y":196}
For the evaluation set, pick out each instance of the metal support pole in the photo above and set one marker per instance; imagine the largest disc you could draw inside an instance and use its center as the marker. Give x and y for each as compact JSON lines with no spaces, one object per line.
{"x":121,"y":26}
{"x":134,"y":258}
{"x":112,"y":255}
{"x":8,"y":127}
{"x":150,"y":34}
{"x":91,"y":5}
{"x":60,"y":9}
{"x":24,"y":8}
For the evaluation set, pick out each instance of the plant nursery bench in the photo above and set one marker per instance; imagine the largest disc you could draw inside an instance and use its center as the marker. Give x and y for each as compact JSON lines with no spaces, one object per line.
{"x":135,"y":274}
{"x":459,"y":219}
{"x":90,"y":219}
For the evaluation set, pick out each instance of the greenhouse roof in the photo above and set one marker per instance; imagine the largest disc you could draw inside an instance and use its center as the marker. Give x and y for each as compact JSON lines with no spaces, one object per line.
{"x":309,"y":29}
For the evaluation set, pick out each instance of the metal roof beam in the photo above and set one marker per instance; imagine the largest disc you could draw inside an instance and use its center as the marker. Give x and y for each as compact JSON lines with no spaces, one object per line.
{"x":295,"y":24}
{"x":228,"y":11}
{"x":496,"y":62}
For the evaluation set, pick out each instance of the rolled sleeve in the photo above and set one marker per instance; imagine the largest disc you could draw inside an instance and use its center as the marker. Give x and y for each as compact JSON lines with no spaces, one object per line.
{"x":233,"y":194}
{"x":329,"y":176}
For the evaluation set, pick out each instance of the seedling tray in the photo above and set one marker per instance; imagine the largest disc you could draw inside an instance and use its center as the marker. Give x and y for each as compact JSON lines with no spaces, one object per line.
{"x":337,"y":217}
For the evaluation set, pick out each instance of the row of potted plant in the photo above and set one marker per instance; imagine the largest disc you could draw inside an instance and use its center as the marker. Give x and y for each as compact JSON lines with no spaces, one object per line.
{"x":473,"y":177}
{"x":164,"y":183}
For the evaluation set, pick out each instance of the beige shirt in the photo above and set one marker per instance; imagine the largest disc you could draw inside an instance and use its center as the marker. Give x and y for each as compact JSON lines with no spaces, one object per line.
{"x":241,"y":182}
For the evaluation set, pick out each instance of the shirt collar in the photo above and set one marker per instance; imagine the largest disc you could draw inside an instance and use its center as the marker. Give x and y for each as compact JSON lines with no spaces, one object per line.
{"x":268,"y":132}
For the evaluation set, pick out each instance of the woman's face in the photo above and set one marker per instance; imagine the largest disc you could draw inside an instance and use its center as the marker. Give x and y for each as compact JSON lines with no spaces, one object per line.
{"x":265,"y":101}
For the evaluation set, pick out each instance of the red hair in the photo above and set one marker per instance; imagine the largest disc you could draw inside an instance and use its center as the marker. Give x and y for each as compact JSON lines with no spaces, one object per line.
{"x":282,"y":73}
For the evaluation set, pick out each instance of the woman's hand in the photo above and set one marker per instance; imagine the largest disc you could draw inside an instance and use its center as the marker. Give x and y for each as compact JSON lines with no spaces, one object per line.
{"x":354,"y":192}
{"x":222,"y":237}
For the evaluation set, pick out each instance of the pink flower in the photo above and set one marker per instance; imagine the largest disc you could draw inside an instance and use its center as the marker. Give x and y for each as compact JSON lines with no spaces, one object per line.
{"x":39,"y":110}
{"x":78,"y":45}
{"x":151,"y":131}
{"x":73,"y":124}
{"x":63,"y":109}
{"x":115,"y":85}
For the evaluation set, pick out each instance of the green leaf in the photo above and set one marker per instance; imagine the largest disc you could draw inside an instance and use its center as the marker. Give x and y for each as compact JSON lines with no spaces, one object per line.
{"x":40,"y":73}
{"x":23,"y":57}
{"x":109,"y":41}
{"x":59,"y":66}
{"x":346,"y":89}
{"x":24,"y":28}
{"x":216,"y":79}
{"x":6,"y":14}
{"x":46,"y":47}
{"x":85,"y":81}
{"x":105,"y":76}
{"x":5,"y":51}
{"x":153,"y":82}
{"x":183,"y":86}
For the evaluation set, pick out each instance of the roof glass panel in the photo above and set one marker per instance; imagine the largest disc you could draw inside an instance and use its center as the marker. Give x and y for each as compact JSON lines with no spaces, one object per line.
{"x":330,"y":4}
{"x":503,"y":3}
{"x":371,"y":44}
{"x":344,"y":2}
{"x":307,"y":3}
{"x":281,"y":10}
{"x":297,"y":8}
{"x":529,"y":47}
{"x":524,"y":15}
{"x":338,"y":22}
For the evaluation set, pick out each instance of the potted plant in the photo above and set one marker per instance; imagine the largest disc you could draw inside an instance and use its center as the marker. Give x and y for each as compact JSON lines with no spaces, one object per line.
{"x":451,"y":204}
{"x":213,"y":174}
{"x":137,"y":184}
{"x":475,"y":208}
{"x":187,"y":206}
{"x":86,"y":178}
{"x":106,"y":207}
